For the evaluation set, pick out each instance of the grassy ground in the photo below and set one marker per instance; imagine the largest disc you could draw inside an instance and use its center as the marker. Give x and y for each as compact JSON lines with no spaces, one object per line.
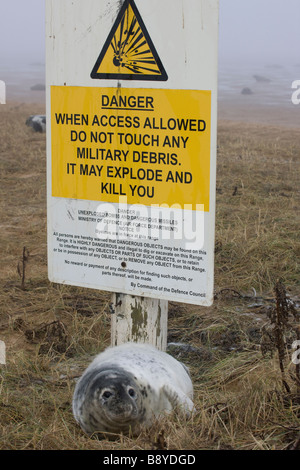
{"x":52,"y":331}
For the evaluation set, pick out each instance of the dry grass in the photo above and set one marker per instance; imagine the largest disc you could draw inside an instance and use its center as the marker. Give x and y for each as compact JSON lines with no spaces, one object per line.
{"x":52,"y":331}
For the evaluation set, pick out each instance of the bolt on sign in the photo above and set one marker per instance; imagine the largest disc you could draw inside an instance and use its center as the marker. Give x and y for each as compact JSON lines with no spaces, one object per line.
{"x":131,"y":146}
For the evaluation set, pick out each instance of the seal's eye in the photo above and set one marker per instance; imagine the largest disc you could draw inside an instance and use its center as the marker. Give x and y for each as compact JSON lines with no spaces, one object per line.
{"x":131,"y":392}
{"x":106,"y":394}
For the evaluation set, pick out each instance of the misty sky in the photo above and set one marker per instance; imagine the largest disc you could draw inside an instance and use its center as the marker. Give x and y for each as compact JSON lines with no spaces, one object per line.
{"x":266,"y":30}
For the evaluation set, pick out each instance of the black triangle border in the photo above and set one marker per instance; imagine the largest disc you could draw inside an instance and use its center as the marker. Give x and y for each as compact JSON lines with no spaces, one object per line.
{"x":119,"y":76}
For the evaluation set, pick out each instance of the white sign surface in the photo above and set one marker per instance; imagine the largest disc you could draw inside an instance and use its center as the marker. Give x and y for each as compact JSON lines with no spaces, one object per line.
{"x":131,"y":146}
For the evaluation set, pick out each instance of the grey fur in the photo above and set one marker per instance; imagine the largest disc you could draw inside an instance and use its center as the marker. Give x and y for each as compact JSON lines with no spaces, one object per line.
{"x":127,"y":386}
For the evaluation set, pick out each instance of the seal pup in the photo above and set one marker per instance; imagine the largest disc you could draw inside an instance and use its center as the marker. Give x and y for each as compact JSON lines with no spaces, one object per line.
{"x":128,"y":386}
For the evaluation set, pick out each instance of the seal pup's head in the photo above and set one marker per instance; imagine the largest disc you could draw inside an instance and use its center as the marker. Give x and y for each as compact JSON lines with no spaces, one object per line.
{"x":107,"y":400}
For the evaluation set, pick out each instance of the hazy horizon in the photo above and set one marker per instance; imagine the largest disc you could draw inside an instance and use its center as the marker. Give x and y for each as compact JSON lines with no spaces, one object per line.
{"x":256,"y":31}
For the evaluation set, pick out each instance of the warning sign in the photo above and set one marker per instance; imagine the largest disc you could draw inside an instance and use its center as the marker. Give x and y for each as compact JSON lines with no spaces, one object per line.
{"x":131,"y":158}
{"x":144,"y":144}
{"x":128,"y":52}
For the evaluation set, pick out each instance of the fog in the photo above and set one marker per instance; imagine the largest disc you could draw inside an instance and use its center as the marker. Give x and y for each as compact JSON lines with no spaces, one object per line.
{"x":22,"y":31}
{"x":260,"y":31}
{"x":252,"y":30}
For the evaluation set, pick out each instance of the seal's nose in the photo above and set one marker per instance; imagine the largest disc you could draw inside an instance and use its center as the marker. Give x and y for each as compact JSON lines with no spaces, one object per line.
{"x":126,"y":410}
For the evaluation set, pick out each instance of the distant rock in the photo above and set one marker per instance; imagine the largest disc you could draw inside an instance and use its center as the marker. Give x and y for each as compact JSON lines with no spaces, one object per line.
{"x":260,"y":78}
{"x":274,"y":66}
{"x":247,"y":91}
{"x":37,"y":122}
{"x":38,"y":87}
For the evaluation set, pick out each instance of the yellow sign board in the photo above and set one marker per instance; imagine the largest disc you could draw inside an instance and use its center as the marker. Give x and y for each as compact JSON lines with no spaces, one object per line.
{"x":150,"y":145}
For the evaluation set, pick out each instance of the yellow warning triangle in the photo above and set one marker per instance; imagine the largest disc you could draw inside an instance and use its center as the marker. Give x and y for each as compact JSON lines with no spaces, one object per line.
{"x":128,"y":53}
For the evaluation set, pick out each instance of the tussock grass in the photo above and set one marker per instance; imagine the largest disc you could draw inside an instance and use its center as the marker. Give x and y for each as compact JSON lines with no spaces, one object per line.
{"x":53,"y":331}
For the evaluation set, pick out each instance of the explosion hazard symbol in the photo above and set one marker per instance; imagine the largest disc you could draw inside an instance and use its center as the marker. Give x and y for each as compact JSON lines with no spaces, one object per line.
{"x":128,"y":53}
